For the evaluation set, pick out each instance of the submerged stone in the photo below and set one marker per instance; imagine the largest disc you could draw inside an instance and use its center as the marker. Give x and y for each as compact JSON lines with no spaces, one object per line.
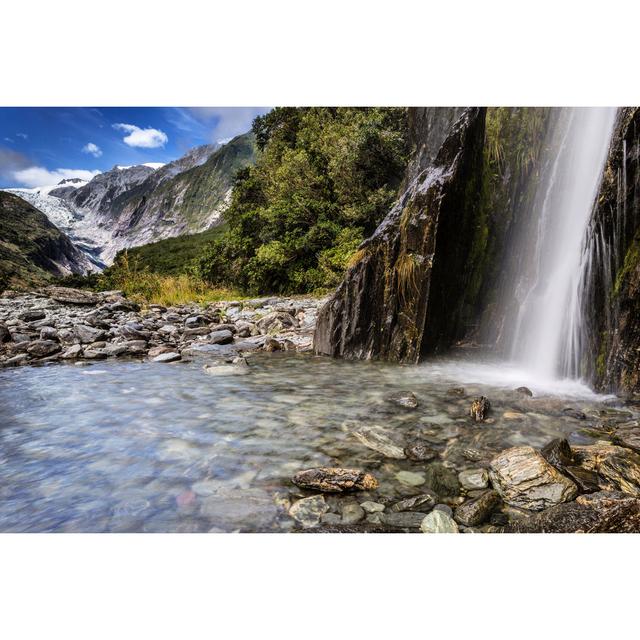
{"x":309,"y":511}
{"x":378,"y":439}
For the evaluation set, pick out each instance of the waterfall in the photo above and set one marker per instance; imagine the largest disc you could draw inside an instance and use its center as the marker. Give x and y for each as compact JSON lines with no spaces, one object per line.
{"x":546,"y":333}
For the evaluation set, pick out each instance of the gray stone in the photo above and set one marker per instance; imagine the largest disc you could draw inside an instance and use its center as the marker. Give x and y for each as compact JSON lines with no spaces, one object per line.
{"x":135,"y":347}
{"x":628,"y":435}
{"x":5,"y":334}
{"x":275,"y":321}
{"x":378,"y":439}
{"x":442,"y":480}
{"x":402,"y":519}
{"x":48,"y":333}
{"x":74,"y":351}
{"x":474,"y":479}
{"x":420,"y":452}
{"x":423,"y":503}
{"x":221,"y":337}
{"x":229,"y":509}
{"x":113,"y":349}
{"x":524,"y":479}
{"x":445,"y":508}
{"x":330,"y":519}
{"x":43,"y":348}
{"x":352,"y":513}
{"x":172,"y":356}
{"x":67,"y":295}
{"x":372,"y":507}
{"x":308,"y":511}
{"x":32,"y":315}
{"x":87,"y":334}
{"x":438,"y":522}
{"x":406,"y":400}
{"x":410,"y":478}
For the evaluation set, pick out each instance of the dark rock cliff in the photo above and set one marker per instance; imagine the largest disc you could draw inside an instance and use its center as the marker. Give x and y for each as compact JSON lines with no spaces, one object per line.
{"x":613,"y":281}
{"x":403,"y":294}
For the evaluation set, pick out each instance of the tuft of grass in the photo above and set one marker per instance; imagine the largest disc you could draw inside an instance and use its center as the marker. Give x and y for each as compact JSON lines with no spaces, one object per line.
{"x":147,"y":287}
{"x":356,"y":257}
{"x":407,"y":273}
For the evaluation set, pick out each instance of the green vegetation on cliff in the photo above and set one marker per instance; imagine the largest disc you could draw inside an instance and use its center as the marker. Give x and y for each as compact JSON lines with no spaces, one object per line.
{"x":32,"y":249}
{"x":324,"y":179}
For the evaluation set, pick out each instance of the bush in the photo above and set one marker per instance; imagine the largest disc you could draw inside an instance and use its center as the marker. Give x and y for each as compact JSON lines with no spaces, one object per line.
{"x":324,"y":180}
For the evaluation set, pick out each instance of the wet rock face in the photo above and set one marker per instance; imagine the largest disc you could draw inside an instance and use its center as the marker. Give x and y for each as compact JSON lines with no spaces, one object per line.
{"x":613,"y":289}
{"x":399,"y":299}
{"x":524,"y":479}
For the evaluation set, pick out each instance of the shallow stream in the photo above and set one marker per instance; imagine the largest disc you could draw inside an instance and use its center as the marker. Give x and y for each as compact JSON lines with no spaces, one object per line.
{"x":141,"y":446}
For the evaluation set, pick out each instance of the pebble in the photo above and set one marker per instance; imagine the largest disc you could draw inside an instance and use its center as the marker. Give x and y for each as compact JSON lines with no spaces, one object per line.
{"x":474,"y":479}
{"x":308,"y":511}
{"x":372,"y":507}
{"x":438,"y":522}
{"x":411,"y":478}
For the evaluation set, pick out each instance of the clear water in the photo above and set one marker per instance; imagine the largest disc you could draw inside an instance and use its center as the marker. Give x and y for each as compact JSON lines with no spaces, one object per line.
{"x":134,"y":446}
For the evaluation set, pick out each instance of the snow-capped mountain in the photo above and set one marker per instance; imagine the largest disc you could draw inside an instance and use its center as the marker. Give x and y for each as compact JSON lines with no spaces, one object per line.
{"x":130,"y":206}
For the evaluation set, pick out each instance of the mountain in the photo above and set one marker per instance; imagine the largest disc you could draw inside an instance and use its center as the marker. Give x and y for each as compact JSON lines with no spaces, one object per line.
{"x":132,"y":206}
{"x":83,"y":233}
{"x":32,"y":249}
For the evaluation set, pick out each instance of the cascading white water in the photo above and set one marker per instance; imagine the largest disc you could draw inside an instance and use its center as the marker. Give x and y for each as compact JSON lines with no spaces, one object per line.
{"x":546,"y":337}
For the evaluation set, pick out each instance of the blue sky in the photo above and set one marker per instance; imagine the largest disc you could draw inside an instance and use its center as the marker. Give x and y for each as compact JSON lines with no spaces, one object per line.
{"x":42,"y":145}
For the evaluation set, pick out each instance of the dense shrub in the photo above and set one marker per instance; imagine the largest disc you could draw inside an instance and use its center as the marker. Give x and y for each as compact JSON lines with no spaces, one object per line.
{"x":324,"y":179}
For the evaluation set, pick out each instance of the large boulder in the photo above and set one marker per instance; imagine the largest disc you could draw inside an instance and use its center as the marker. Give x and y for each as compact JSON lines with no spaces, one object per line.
{"x":524,"y":479}
{"x":602,"y":512}
{"x":67,"y":295}
{"x":43,"y":348}
{"x":617,"y":467}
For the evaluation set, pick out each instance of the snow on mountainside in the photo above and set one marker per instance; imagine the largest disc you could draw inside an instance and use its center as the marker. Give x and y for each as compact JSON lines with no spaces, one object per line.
{"x":130,"y":206}
{"x":84,"y":235}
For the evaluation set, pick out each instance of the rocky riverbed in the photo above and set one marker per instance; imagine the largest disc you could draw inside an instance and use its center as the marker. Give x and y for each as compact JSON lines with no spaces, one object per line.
{"x":58,"y":323}
{"x":220,"y":418}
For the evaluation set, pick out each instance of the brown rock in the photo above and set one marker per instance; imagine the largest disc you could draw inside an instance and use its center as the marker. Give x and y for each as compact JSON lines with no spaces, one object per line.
{"x":602,"y":512}
{"x":524,"y":479}
{"x":480,"y":408}
{"x":335,"y":480}
{"x":476,"y":511}
{"x":618,"y":467}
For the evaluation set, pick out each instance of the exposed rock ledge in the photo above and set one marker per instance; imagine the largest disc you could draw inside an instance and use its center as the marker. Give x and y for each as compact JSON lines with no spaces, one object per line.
{"x":59,"y":324}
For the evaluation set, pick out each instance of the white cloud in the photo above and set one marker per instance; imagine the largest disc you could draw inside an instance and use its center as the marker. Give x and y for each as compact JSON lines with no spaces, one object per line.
{"x":226,"y":122}
{"x":41,"y":177}
{"x":145,"y":138}
{"x":8,"y":140}
{"x":24,"y":136}
{"x":93,"y":149}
